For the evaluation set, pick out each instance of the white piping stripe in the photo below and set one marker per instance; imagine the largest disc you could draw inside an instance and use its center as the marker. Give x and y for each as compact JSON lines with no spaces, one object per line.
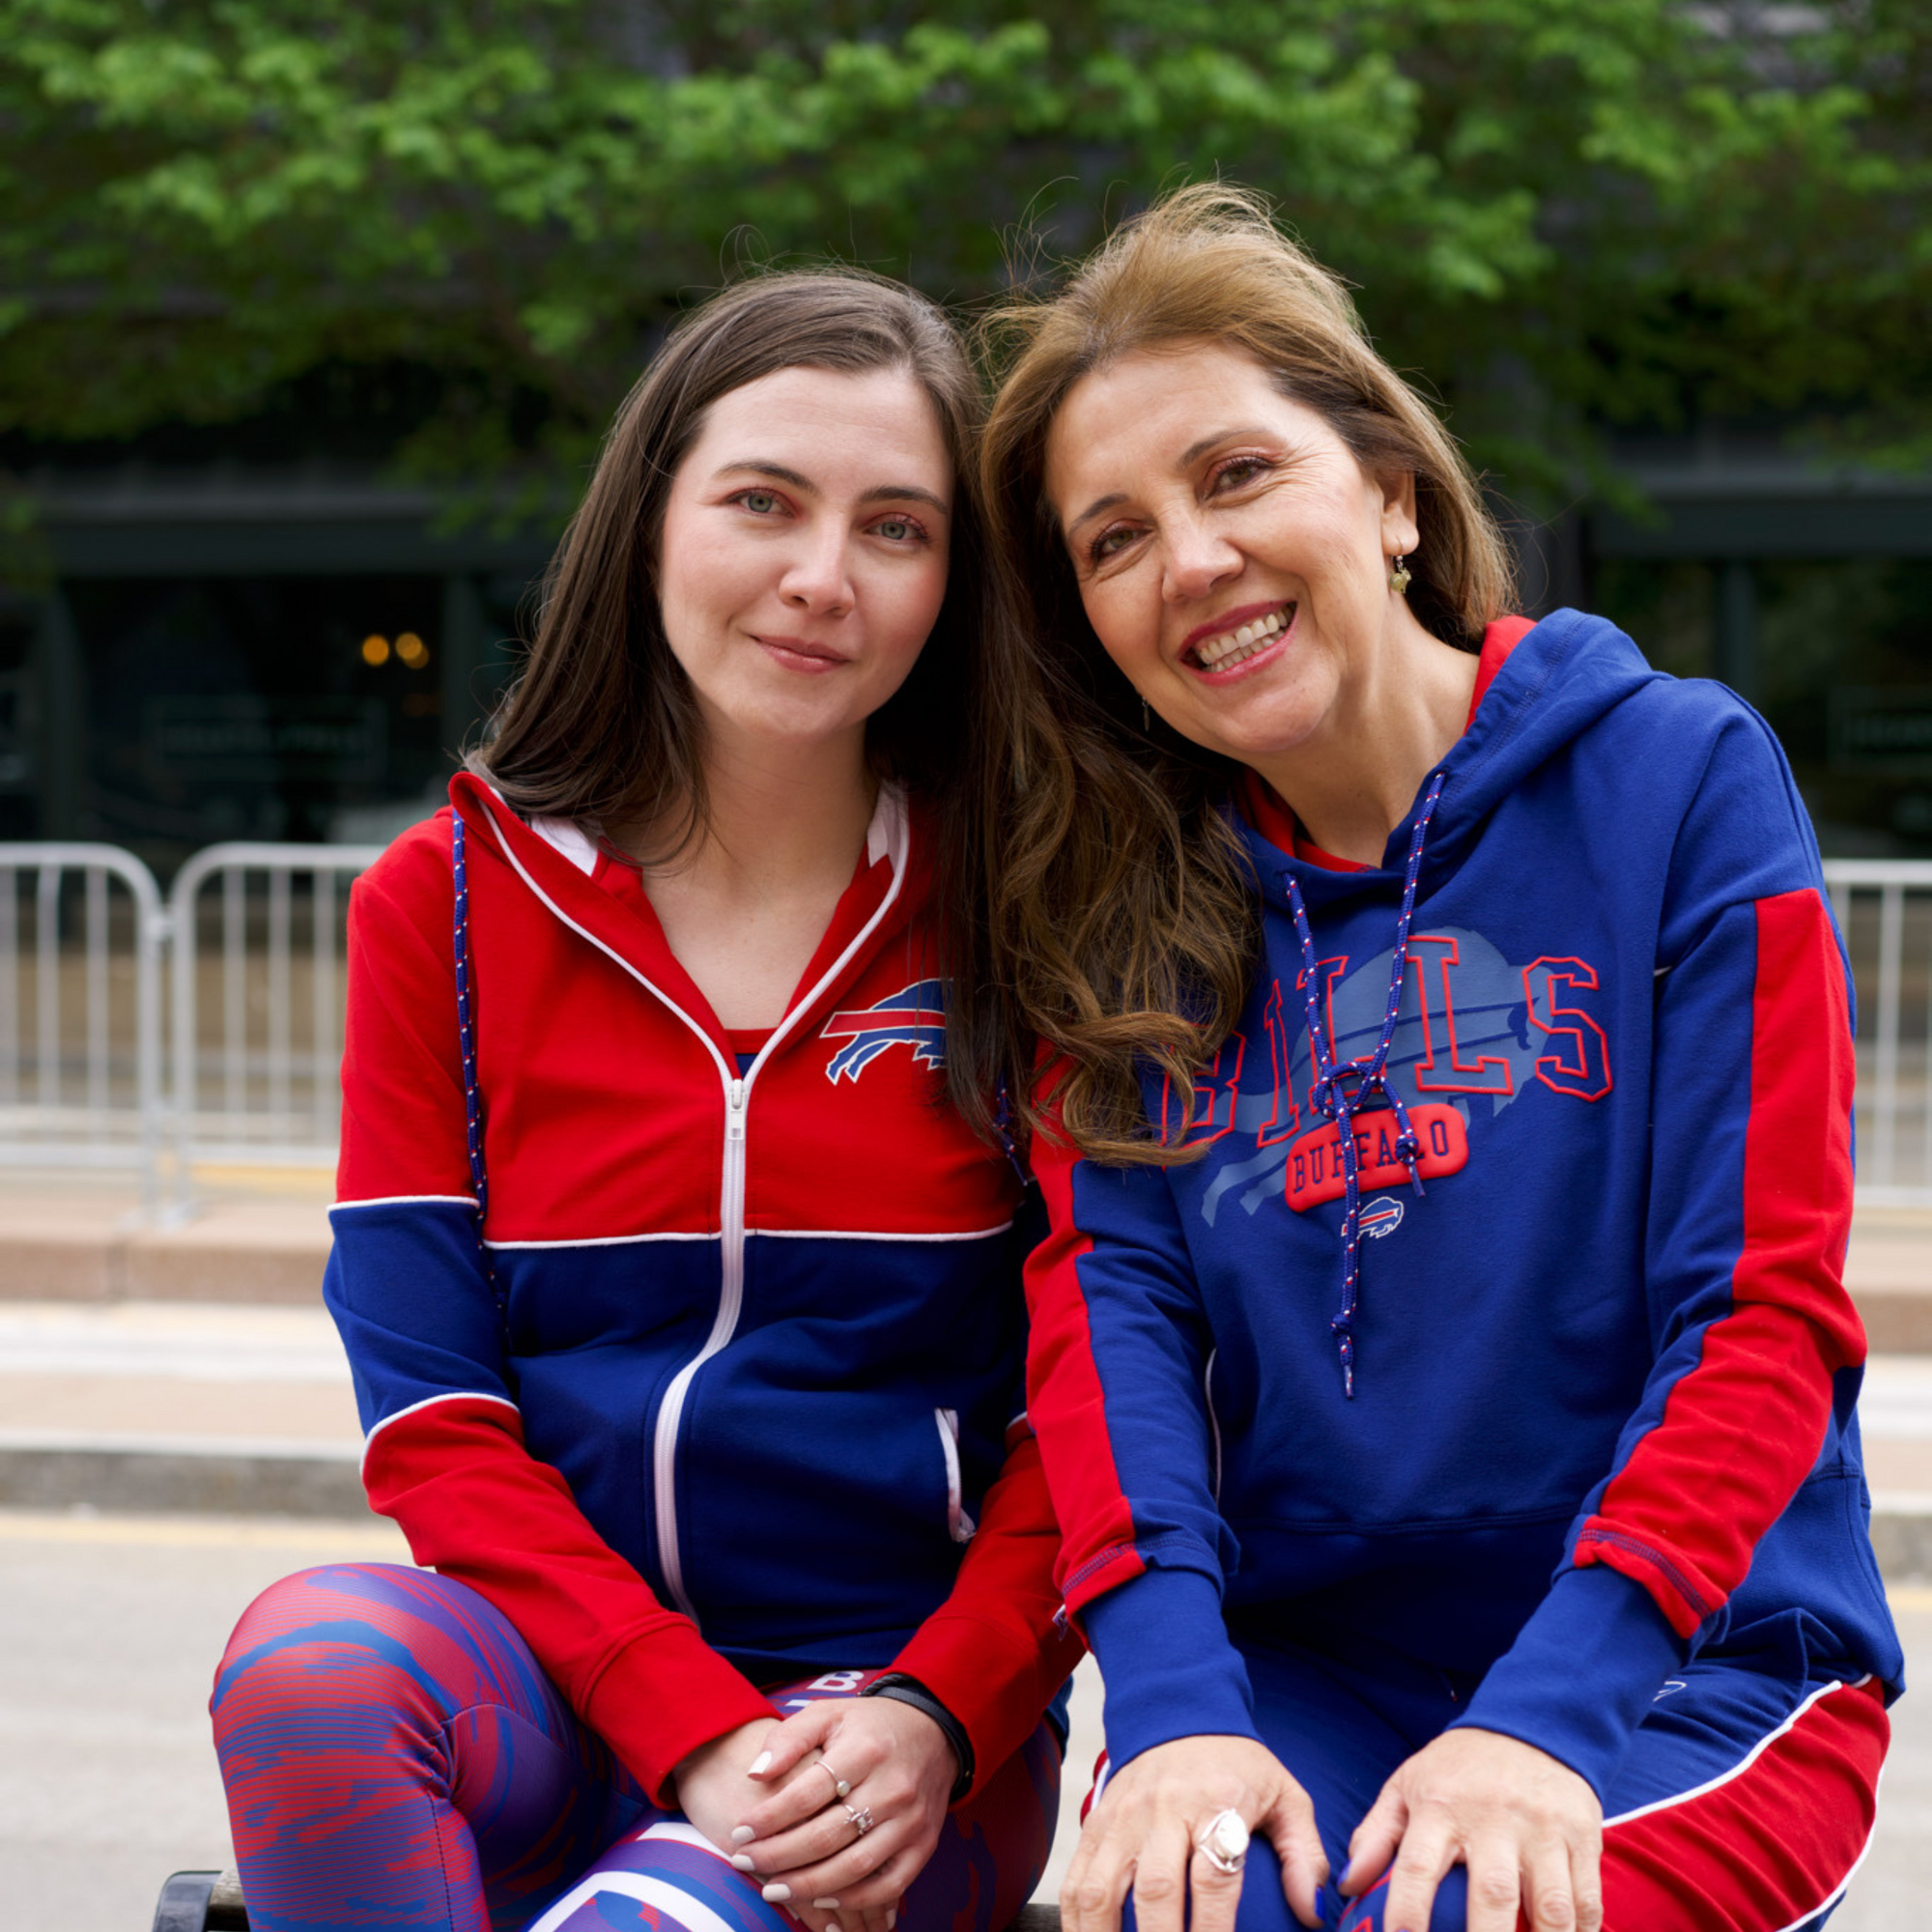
{"x":890,"y":824}
{"x":686,"y":1909}
{"x":868,"y":1235}
{"x":601,"y":1241}
{"x":430,"y":1401}
{"x":766,"y":1234}
{"x":1744,"y":1764}
{"x":960,"y":1524}
{"x":610,"y":953}
{"x":406,"y":1201}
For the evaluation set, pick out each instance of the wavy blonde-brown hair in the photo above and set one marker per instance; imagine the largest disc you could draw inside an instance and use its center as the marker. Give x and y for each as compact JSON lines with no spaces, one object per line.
{"x":1122,"y":921}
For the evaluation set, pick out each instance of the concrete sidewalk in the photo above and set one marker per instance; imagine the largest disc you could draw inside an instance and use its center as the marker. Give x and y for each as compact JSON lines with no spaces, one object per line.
{"x":191,"y":1367}
{"x":255,"y":1235}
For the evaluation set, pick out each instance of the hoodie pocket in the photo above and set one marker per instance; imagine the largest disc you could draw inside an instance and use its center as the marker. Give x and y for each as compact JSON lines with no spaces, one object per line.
{"x":958,"y":1525}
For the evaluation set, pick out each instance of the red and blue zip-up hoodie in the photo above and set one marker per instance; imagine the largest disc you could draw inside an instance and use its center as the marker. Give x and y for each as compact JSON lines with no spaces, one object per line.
{"x":729,"y":1386}
{"x":1604,"y":1361}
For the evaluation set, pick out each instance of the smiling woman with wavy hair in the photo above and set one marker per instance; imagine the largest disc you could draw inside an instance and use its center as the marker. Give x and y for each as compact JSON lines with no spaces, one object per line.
{"x":1129,"y":907}
{"x":1440,"y":1355}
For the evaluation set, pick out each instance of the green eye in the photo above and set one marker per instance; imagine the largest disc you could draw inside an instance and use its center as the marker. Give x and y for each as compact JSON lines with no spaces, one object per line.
{"x":759,"y":501}
{"x":895,"y":528}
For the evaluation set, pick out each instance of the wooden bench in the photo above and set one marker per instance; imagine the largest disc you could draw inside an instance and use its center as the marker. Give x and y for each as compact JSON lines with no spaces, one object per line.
{"x":206,"y":1901}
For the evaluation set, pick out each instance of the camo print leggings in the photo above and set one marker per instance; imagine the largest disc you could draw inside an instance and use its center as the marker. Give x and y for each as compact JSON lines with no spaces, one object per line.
{"x":394,"y":1756}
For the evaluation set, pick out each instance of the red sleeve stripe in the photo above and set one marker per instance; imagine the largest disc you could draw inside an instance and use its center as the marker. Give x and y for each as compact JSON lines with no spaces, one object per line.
{"x":1685,"y":1513}
{"x":1066,"y":1401}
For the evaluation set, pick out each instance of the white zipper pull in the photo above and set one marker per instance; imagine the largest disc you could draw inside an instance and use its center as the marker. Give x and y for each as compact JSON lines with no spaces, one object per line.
{"x":734,"y":1111}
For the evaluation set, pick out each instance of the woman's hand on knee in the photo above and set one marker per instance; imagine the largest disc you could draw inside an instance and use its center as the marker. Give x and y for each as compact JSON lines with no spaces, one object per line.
{"x":1528,"y":1829}
{"x":898,"y":1771}
{"x":1145,"y":1837}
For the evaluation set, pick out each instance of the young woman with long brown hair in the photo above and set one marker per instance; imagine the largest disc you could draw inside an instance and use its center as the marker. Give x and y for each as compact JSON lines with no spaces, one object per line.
{"x":1439,"y":1357}
{"x":685,"y":1314}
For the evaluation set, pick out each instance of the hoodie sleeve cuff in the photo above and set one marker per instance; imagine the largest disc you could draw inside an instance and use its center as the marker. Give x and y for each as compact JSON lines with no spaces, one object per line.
{"x":660,"y":1698}
{"x":1583,"y":1672}
{"x":1170,"y":1669}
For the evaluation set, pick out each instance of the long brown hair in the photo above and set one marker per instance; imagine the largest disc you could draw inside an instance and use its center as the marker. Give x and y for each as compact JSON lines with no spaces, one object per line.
{"x":1122,"y":923}
{"x":603,"y":724}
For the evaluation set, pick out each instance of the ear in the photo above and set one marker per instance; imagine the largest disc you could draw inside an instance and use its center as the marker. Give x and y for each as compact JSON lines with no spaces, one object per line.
{"x":1400,"y":530}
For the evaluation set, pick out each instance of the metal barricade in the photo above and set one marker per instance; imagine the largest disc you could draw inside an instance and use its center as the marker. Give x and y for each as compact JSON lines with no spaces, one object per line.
{"x":80,"y":1010}
{"x":258,"y":965}
{"x":1884,"y":908}
{"x":258,"y":1013}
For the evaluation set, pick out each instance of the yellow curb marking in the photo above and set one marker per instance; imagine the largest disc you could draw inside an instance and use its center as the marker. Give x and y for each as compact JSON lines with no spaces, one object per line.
{"x":191,"y":1532}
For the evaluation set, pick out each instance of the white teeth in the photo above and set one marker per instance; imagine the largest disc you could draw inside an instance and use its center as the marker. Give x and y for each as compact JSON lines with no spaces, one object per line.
{"x":1232,"y":647}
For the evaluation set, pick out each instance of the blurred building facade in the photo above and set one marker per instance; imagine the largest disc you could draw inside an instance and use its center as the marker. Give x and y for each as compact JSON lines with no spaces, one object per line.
{"x":244,"y":650}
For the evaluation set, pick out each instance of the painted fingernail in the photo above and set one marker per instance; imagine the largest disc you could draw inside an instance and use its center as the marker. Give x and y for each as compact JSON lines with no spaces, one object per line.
{"x":825,"y":1904}
{"x":760,"y":1765}
{"x":1321,"y":1901}
{"x":742,"y":1834}
{"x":742,"y":1860}
{"x":776,"y":1893}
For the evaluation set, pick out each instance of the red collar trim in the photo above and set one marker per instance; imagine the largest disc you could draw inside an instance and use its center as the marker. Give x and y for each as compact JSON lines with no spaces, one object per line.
{"x":1269,"y":813}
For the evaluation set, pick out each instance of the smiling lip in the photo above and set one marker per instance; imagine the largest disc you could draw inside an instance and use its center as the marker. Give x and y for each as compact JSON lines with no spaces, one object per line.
{"x":1229,"y":620}
{"x":800,"y":654}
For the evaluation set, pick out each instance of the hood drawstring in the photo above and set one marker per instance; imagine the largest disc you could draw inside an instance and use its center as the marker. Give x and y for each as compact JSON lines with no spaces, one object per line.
{"x":1334,"y":1099}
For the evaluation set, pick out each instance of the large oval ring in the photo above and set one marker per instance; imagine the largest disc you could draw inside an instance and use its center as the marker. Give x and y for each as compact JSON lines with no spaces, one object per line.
{"x":840,"y":1787}
{"x":862,"y":1819}
{"x":1224,"y":1843}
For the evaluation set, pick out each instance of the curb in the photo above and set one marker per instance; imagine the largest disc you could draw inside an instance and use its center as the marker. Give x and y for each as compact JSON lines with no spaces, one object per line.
{"x":171,"y":1475}
{"x":231,"y":1476}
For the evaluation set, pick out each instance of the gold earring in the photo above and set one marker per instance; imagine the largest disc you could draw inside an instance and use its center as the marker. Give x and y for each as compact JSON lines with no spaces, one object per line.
{"x":1399,"y":576}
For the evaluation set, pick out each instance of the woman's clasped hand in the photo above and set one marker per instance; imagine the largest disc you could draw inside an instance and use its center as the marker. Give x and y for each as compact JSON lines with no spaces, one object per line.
{"x":845,"y":1802}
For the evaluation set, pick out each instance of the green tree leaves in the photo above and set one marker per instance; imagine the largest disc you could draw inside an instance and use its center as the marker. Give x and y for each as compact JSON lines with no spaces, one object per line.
{"x":1562,"y":211}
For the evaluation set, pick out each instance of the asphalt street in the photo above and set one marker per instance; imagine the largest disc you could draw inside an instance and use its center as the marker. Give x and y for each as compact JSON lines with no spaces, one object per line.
{"x":110,"y":1628}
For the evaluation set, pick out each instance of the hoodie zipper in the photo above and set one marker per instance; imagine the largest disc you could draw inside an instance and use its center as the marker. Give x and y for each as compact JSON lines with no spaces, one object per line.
{"x":731,"y":1186}
{"x":723,"y":1326}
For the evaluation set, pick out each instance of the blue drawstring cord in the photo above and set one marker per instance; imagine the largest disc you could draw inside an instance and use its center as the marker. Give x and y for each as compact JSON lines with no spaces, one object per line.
{"x":472,"y":1099}
{"x":1332,"y":1100}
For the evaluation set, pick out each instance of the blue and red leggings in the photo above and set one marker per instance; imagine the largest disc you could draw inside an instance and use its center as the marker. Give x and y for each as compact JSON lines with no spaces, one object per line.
{"x":395,"y":1757}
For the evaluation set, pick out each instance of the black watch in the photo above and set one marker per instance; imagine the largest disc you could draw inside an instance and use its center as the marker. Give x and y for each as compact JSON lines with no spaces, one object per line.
{"x":904,"y":1690}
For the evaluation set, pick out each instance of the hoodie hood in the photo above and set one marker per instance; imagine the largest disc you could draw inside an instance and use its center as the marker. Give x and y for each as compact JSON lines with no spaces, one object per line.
{"x":1565,"y":675}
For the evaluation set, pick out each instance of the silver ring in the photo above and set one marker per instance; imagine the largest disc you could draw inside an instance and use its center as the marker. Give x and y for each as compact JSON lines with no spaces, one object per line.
{"x":861,"y":1820}
{"x":1224,"y":1843}
{"x":838,"y":1785}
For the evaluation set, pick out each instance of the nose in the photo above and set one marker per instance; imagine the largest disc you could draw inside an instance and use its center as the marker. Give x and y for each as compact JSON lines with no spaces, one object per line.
{"x":1196,"y":559}
{"x":817,"y":578}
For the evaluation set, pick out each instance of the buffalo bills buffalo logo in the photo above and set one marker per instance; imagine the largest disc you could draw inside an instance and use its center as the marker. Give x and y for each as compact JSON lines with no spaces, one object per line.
{"x":915,"y":1016}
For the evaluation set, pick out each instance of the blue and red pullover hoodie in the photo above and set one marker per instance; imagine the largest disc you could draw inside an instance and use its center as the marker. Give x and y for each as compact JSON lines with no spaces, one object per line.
{"x":727,"y":1386}
{"x":1604,"y":1364}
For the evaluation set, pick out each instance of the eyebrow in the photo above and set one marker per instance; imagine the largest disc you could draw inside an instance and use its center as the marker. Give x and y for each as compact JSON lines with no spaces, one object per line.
{"x":1190,"y":455}
{"x":883,"y":492}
